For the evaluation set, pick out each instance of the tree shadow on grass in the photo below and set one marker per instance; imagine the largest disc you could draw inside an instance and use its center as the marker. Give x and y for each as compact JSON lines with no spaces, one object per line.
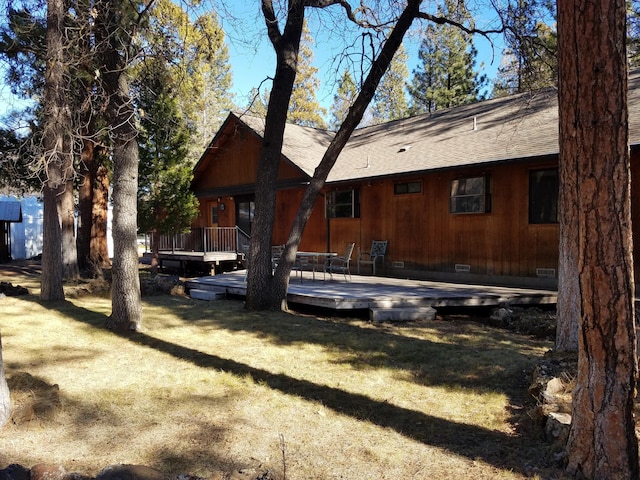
{"x":502,"y":450}
{"x":465,"y":355}
{"x":39,"y":406}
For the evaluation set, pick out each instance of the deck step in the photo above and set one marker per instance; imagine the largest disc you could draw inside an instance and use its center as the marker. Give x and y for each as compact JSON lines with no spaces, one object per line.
{"x":400,"y":314}
{"x":200,"y":294}
{"x":198,"y":285}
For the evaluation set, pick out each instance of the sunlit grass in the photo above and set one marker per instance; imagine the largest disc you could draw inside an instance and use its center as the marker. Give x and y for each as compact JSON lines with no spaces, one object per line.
{"x":209,"y":387}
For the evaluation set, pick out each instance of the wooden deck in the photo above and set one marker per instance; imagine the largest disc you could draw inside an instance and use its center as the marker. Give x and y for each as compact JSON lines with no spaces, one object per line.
{"x":367,"y":292}
{"x":180,"y":259}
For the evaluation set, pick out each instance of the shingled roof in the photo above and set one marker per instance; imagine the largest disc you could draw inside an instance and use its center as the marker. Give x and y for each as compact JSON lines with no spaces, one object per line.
{"x":512,"y":128}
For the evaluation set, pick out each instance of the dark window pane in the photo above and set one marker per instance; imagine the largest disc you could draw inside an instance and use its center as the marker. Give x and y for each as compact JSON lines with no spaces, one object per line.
{"x":343,"y":204}
{"x":470,"y":195}
{"x":415,"y":187}
{"x":543,"y":196}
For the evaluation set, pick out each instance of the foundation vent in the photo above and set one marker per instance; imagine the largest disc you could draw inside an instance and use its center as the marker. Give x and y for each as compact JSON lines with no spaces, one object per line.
{"x":462,"y":268}
{"x":546,"y":272}
{"x":397,"y":264}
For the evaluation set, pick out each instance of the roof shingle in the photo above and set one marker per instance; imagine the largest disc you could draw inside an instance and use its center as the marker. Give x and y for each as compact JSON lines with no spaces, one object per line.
{"x":515,"y":127}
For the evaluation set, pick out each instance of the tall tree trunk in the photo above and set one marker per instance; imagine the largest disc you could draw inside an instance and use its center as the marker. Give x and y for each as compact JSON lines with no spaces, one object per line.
{"x":286,"y":45}
{"x":5,"y":398}
{"x":126,"y":307}
{"x":280,"y":283}
{"x":594,"y":154}
{"x":93,"y":197}
{"x":568,"y":306}
{"x":93,"y":189}
{"x":98,"y":247}
{"x":85,"y":206}
{"x":66,"y":210}
{"x":57,"y":127}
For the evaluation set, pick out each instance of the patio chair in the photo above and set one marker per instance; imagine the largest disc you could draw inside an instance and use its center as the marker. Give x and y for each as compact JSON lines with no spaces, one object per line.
{"x":341,"y":264}
{"x":378,"y":251}
{"x":304,"y":263}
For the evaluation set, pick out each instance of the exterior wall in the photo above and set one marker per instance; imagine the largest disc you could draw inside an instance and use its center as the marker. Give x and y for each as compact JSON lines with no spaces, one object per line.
{"x":635,"y":210}
{"x":424,"y":235}
{"x":235,"y":163}
{"x":26,"y":236}
{"x":421,"y":231}
{"x":314,"y":237}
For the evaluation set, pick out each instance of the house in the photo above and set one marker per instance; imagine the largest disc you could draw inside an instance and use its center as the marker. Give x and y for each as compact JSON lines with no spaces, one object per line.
{"x":468,"y":193}
{"x":10,"y":212}
{"x":23,"y":238}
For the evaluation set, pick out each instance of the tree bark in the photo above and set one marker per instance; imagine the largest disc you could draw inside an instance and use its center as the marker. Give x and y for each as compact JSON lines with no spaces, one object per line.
{"x":270,"y":292}
{"x":568,"y":306}
{"x":85,"y":205}
{"x":98,"y":247}
{"x":66,"y":210}
{"x":93,"y":191}
{"x":126,"y":307}
{"x":286,"y":45}
{"x":57,"y":128}
{"x":594,"y":152}
{"x":126,"y":312}
{"x":279,"y":285}
{"x":5,"y":397}
{"x":93,"y":197}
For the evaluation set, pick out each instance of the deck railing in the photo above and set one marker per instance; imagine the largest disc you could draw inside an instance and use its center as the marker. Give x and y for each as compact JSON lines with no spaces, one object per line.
{"x":206,"y":239}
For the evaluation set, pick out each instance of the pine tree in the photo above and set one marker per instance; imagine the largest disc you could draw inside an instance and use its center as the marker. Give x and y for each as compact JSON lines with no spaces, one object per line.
{"x":304,"y":108}
{"x":529,"y":62}
{"x":445,"y":78}
{"x":342,"y":100}
{"x":202,"y":76}
{"x":390,"y":101}
{"x":258,"y":103}
{"x":165,"y":203}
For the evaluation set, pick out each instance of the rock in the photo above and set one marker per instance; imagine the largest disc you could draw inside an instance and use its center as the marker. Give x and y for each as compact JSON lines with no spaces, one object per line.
{"x":554,"y":388}
{"x":130,"y":472}
{"x":500,"y":317}
{"x":557,"y":427}
{"x":44,"y":471}
{"x":161,"y":284}
{"x":14,"y":472}
{"x":11,"y":290}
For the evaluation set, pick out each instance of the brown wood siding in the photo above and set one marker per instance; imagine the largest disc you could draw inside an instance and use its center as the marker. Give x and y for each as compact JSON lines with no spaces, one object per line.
{"x":635,"y":210}
{"x":314,"y":237}
{"x":236,"y":163}
{"x":421,"y":231}
{"x":424,"y":235}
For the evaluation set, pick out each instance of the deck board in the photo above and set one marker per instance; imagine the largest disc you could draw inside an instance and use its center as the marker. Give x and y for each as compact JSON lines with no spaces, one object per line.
{"x":197,"y":256}
{"x":366,"y":292}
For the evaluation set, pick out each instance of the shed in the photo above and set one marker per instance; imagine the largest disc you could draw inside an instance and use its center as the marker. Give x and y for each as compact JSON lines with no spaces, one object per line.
{"x":10,"y":212}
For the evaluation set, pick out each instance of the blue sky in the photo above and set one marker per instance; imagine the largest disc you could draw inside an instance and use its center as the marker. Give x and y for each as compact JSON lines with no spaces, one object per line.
{"x":253,"y":58}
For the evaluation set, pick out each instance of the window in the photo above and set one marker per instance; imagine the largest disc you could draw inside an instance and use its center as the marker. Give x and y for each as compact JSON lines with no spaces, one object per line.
{"x":343,"y":204}
{"x":407,"y":187}
{"x":470,"y":195}
{"x":214,"y":215}
{"x":543,"y":196}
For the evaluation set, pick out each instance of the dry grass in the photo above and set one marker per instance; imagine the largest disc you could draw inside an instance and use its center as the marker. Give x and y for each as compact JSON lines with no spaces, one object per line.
{"x":209,"y":388}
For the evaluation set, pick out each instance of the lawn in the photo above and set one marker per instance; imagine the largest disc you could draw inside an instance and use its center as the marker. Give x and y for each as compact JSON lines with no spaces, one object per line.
{"x":209,"y":389}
